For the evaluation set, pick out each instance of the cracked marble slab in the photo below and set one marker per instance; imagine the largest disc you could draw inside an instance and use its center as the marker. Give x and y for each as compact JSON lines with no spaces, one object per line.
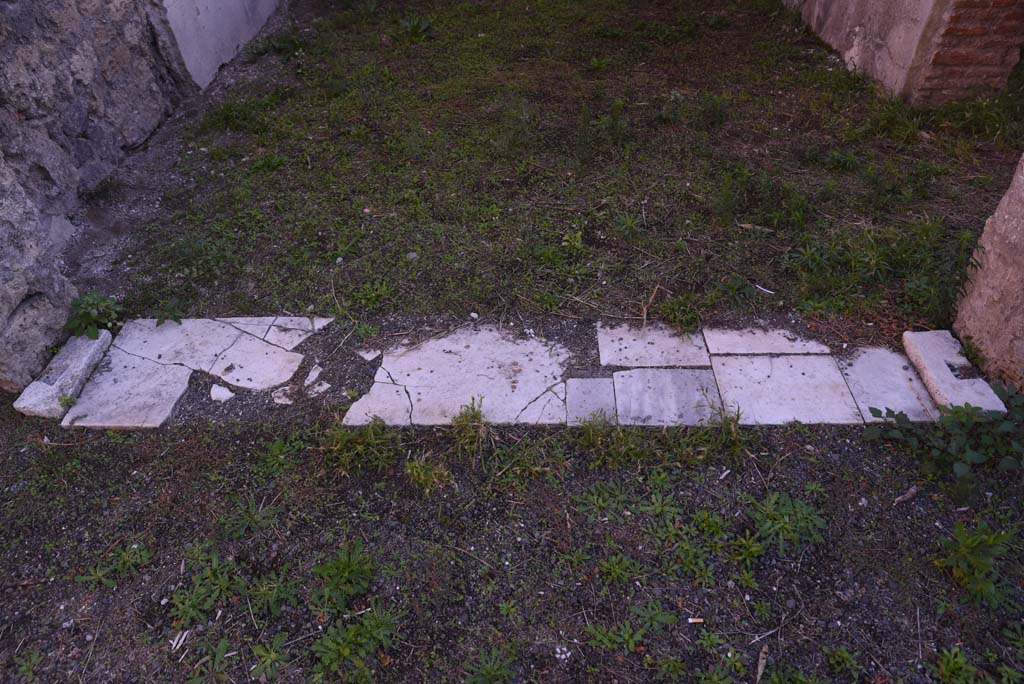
{"x":195,"y":342}
{"x":254,"y":364}
{"x":513,"y":380}
{"x":128,"y":391}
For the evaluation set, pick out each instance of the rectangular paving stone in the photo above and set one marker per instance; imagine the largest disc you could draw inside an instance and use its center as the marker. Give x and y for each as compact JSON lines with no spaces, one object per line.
{"x":128,"y":392}
{"x":588,"y":398}
{"x":652,"y":346}
{"x":935,"y":353}
{"x":756,"y":341}
{"x":64,"y":377}
{"x":666,"y":396}
{"x":883,"y":379}
{"x":774,"y":390}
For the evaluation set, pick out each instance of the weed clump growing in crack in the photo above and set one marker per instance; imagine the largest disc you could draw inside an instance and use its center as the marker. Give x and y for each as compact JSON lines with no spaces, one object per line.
{"x":427,"y":474}
{"x":373,"y":446}
{"x":470,"y":431}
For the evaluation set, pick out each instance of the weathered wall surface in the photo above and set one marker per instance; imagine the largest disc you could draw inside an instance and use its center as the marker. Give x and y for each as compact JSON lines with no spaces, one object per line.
{"x":991,"y":311}
{"x":882,"y":38}
{"x":82,"y":83}
{"x":925,"y":51}
{"x":211,"y":32}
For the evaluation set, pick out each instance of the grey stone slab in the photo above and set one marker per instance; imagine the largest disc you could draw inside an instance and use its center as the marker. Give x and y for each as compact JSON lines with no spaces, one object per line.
{"x":652,"y":346}
{"x":757,"y":341}
{"x":666,"y":396}
{"x":590,"y":398}
{"x":513,"y":380}
{"x":64,"y":377}
{"x":255,"y":364}
{"x":882,"y":379}
{"x":774,"y":390}
{"x":128,"y":392}
{"x":195,"y":342}
{"x":935,"y":354}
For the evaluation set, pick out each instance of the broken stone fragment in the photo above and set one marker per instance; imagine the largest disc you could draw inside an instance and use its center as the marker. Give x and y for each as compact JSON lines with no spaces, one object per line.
{"x":52,"y":394}
{"x":935,"y":354}
{"x":220,"y":393}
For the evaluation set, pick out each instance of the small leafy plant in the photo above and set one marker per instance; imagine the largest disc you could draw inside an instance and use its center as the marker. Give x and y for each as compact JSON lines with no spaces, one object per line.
{"x":965,"y":437}
{"x":344,"y":577}
{"x":125,"y":562}
{"x":214,"y":582}
{"x":971,"y":556}
{"x":92,"y":313}
{"x":346,"y":651}
{"x":490,"y":666}
{"x":269,"y":658}
{"x":786,"y":522}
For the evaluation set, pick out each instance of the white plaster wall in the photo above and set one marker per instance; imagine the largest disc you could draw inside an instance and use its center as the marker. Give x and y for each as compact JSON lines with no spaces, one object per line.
{"x":211,"y":32}
{"x":890,"y":40}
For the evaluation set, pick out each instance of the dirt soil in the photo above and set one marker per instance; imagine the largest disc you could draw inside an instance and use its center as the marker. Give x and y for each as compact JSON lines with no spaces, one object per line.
{"x":542,"y":165}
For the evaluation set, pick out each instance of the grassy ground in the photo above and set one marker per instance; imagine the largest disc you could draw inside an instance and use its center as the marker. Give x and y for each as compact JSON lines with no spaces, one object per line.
{"x":488,"y":556}
{"x":572,"y":158}
{"x":550,"y":157}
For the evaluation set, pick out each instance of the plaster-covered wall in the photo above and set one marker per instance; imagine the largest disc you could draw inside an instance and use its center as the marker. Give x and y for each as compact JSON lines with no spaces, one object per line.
{"x":890,"y":40}
{"x":925,"y":51}
{"x":210,"y":32}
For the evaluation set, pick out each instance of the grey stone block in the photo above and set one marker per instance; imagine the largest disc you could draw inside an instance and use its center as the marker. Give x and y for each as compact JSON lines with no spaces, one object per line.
{"x":64,"y":377}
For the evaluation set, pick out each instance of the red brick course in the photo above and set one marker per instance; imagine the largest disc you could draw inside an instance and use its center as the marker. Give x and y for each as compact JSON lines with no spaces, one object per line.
{"x":976,"y":51}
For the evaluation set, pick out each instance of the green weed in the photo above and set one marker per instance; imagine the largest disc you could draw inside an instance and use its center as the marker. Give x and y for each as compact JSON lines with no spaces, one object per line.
{"x":787,"y":523}
{"x":490,"y":666}
{"x":343,"y":578}
{"x":971,"y":557}
{"x":269,"y":658}
{"x":427,"y":474}
{"x":93,"y":312}
{"x":373,"y":446}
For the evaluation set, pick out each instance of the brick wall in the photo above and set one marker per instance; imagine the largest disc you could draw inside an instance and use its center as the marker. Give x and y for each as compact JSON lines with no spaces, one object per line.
{"x":975,"y":52}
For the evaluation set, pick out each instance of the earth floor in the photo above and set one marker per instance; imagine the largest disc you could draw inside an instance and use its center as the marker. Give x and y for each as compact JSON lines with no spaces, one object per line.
{"x":539,"y":165}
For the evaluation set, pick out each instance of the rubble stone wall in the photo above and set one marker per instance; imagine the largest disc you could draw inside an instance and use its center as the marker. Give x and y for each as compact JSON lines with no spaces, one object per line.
{"x":82,"y":84}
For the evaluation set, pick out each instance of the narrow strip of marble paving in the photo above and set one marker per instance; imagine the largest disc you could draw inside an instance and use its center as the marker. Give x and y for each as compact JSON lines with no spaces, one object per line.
{"x":882,"y":379}
{"x":513,"y":380}
{"x":128,"y":391}
{"x":651,"y":346}
{"x":590,"y":399}
{"x":757,"y":341}
{"x":774,"y":390}
{"x":666,"y":396}
{"x":936,"y":354}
